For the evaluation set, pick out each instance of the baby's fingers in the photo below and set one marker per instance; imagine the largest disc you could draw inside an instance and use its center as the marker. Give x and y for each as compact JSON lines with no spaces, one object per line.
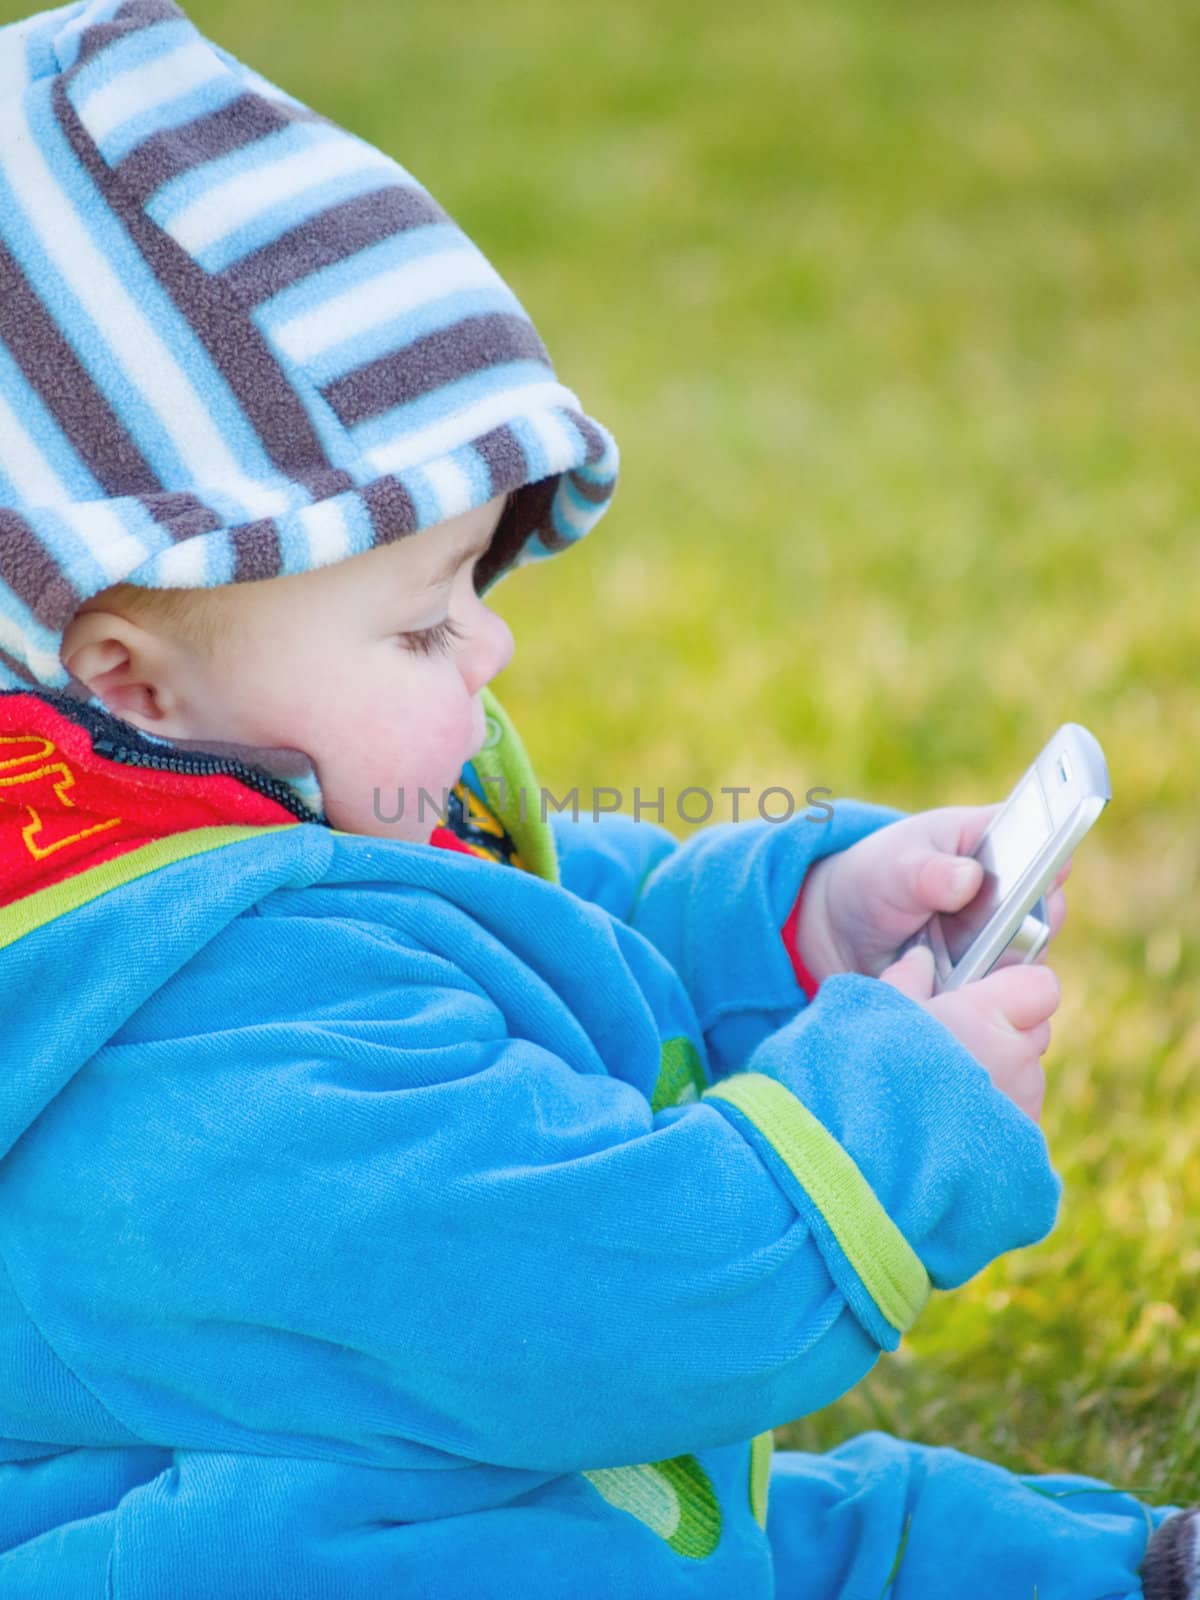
{"x":1056,"y":915}
{"x":1025,"y":996}
{"x":913,"y":974}
{"x":1056,"y":908}
{"x":1014,"y":1064}
{"x":1038,"y":1039}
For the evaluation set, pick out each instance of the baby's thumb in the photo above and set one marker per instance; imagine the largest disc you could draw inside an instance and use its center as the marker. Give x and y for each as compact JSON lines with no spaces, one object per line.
{"x":912,"y":974}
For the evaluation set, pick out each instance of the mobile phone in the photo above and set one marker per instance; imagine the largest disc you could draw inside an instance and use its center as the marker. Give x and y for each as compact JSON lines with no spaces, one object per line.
{"x":1033,"y":834}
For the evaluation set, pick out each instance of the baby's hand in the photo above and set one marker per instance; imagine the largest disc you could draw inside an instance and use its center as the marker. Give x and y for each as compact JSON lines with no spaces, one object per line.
{"x":1003,"y":1020}
{"x":861,"y":904}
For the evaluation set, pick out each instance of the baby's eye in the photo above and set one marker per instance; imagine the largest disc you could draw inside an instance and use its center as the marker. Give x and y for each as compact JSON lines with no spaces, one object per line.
{"x":430,"y":641}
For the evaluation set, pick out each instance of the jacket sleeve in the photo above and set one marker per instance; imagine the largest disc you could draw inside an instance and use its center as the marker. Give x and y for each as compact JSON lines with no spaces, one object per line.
{"x":396,"y":1226}
{"x":714,"y":905}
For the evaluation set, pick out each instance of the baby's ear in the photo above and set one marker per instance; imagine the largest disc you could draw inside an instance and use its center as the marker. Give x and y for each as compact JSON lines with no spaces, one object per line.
{"x":99,"y":650}
{"x":92,"y":645}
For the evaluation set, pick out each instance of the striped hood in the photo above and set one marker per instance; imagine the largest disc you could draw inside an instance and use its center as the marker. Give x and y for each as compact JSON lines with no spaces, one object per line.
{"x":237,"y":341}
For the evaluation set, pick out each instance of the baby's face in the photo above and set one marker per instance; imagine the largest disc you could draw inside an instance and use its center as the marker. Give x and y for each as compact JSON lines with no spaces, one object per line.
{"x":373,"y":667}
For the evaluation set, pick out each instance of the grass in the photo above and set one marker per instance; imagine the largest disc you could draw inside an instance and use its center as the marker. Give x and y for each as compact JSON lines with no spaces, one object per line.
{"x":893,"y":313}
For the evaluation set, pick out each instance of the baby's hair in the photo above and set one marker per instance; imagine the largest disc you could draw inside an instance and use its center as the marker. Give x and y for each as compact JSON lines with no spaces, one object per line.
{"x":196,"y":617}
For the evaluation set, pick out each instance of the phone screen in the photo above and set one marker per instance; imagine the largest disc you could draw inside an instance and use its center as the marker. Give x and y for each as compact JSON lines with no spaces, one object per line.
{"x":1021,"y":828}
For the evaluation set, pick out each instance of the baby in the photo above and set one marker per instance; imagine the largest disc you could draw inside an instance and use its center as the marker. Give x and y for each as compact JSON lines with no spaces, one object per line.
{"x":392,"y":1202}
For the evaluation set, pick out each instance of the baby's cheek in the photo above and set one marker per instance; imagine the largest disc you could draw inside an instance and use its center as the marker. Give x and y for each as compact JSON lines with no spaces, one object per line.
{"x":400,"y":727}
{"x":417,"y":757}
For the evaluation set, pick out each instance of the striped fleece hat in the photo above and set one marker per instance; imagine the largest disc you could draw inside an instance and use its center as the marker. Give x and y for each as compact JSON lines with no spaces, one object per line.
{"x":237,"y":341}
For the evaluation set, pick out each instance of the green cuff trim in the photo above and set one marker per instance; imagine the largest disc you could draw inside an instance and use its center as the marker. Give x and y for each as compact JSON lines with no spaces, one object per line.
{"x":876,"y":1249}
{"x":762,"y":1447}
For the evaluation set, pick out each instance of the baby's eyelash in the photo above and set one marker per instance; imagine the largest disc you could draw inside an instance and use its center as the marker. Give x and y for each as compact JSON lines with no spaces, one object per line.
{"x":429,"y":641}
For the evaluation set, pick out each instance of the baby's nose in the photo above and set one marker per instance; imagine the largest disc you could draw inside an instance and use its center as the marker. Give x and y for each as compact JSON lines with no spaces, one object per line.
{"x":490,"y":652}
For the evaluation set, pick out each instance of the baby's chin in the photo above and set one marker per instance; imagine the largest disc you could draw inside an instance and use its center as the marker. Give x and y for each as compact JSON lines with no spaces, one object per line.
{"x":405,"y":831}
{"x":407,"y":810}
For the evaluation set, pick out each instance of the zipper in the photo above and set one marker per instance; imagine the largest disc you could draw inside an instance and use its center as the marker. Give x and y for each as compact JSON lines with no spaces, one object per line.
{"x":207,"y":766}
{"x":132,"y":751}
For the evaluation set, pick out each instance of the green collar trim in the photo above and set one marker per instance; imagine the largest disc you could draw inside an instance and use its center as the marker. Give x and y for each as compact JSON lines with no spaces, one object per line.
{"x":513,"y":794}
{"x":883,"y":1258}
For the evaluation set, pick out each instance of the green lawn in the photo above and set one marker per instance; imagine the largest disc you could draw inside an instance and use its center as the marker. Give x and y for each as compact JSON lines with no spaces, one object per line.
{"x":893,"y":311}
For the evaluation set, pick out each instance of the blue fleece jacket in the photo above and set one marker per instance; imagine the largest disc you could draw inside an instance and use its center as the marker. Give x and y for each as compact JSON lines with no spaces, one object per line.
{"x":424,"y":1215}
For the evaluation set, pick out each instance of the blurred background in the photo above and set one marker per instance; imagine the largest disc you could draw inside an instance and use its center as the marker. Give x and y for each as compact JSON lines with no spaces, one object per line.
{"x":893,"y":313}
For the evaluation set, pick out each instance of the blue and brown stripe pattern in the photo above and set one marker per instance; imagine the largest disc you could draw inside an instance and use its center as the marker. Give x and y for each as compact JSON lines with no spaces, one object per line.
{"x":237,"y":341}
